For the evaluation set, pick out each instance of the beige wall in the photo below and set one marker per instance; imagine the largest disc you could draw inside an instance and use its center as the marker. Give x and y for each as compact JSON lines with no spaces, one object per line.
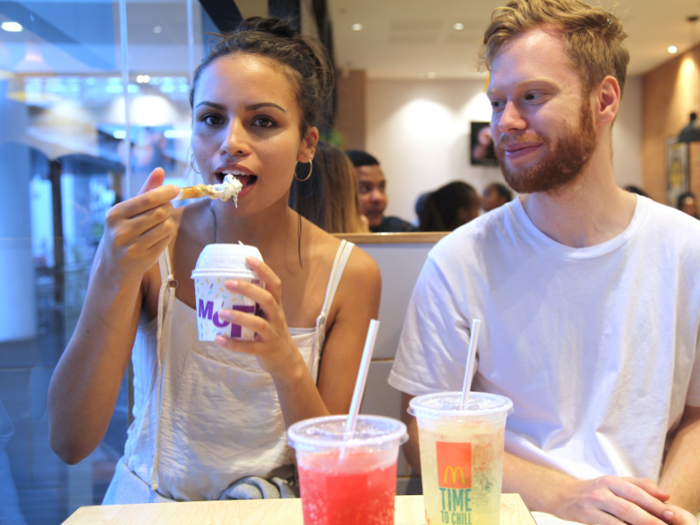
{"x":670,"y":92}
{"x":351,"y":92}
{"x":419,"y":131}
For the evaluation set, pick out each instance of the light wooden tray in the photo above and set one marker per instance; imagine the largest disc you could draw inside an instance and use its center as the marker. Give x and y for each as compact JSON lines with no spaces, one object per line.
{"x":409,"y":511}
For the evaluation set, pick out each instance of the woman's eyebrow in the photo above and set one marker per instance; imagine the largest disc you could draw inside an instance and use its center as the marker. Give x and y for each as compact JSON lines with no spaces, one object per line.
{"x":211,"y":104}
{"x":259,"y":105}
{"x":250,"y":107}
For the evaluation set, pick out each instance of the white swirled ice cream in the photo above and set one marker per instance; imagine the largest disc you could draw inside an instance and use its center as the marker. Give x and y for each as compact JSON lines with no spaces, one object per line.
{"x":227,"y":190}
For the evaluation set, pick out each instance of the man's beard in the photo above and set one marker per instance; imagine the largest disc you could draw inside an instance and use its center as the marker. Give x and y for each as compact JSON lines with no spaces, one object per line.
{"x":564,"y":163}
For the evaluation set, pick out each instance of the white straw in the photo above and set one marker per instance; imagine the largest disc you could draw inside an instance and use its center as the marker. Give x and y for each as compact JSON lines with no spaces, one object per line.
{"x":471,"y":358}
{"x":361,"y":379}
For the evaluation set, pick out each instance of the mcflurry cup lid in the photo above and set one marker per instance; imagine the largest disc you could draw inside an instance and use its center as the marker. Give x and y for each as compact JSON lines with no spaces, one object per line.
{"x":224,"y":259}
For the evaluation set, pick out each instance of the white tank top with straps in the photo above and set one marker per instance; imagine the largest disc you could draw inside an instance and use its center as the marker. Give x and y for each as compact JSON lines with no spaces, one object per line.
{"x":205,"y":416}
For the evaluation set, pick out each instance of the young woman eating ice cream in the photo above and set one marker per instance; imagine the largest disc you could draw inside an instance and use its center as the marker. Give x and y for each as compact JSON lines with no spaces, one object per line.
{"x":209,"y":414}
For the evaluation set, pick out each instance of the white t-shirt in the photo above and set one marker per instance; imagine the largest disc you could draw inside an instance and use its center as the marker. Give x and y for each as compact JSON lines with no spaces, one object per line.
{"x":598,"y":347}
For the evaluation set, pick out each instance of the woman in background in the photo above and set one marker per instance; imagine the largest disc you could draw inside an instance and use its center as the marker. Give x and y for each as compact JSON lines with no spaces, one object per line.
{"x":688,"y":203}
{"x":328,"y":196}
{"x":495,"y":195}
{"x":449,"y":207}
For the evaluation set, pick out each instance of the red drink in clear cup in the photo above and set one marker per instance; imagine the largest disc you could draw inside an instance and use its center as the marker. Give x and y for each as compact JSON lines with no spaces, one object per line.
{"x":347,"y":482}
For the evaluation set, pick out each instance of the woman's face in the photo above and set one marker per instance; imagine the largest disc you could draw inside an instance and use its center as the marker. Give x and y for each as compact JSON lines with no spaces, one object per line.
{"x":246,"y":121}
{"x":689,"y":206}
{"x":492,"y":199}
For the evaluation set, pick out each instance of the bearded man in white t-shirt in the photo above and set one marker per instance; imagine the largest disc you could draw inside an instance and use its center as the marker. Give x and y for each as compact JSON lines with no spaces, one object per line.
{"x":590,"y":295}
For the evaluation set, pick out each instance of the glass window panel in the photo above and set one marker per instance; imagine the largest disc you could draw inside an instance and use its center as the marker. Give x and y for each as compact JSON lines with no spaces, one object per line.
{"x":64,"y":161}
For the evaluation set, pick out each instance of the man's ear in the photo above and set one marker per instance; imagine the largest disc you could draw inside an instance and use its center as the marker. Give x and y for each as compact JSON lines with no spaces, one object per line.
{"x":607,"y":100}
{"x":308,"y":145}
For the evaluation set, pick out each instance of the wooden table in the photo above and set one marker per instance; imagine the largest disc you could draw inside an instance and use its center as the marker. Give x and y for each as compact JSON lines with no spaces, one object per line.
{"x":409,"y":511}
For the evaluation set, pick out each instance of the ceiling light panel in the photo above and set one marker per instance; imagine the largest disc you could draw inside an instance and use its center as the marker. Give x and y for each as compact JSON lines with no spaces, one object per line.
{"x":11,"y":27}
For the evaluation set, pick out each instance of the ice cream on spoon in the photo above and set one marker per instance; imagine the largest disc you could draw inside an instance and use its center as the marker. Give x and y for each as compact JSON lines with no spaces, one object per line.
{"x":228,"y":190}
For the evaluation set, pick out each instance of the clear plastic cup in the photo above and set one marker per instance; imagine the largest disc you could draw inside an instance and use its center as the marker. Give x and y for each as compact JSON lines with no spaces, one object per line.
{"x":461,"y":456}
{"x":216,"y":264}
{"x":347,"y":481}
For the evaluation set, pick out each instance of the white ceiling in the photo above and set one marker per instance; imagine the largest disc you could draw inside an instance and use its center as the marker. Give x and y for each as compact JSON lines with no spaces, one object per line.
{"x":409,"y":38}
{"x":400,"y":38}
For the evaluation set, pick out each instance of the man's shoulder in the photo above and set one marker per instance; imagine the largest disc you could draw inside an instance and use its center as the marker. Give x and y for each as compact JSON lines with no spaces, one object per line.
{"x":672,"y":224}
{"x":486,"y":232}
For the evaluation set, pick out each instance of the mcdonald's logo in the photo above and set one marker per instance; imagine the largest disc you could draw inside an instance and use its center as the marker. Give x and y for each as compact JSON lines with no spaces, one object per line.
{"x":454,"y":472}
{"x":454,"y":462}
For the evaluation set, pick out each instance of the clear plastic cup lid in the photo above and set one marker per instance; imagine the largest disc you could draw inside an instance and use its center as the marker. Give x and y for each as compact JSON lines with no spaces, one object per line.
{"x":321,"y":433}
{"x":448,"y":404}
{"x":224,"y":259}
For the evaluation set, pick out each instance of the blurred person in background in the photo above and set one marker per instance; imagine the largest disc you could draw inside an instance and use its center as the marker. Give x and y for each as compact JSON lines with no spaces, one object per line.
{"x":449,"y":207}
{"x":483,"y":151}
{"x":496,"y":195}
{"x":688,"y":203}
{"x":373,"y":200}
{"x":420,"y":204}
{"x":328,"y":197}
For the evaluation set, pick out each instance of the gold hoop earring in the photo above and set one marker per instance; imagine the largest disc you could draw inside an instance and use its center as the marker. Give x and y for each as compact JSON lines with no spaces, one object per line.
{"x":192,"y":164}
{"x":311,"y":167}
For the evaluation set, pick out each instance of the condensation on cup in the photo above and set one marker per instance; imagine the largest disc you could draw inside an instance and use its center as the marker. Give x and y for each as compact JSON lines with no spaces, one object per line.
{"x":216,"y":264}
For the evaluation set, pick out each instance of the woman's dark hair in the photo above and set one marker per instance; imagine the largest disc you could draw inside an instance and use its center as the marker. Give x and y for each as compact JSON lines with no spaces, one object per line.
{"x":328,"y":198}
{"x":441,"y":208}
{"x":305,"y":58}
{"x":503,"y":191}
{"x":361,"y":158}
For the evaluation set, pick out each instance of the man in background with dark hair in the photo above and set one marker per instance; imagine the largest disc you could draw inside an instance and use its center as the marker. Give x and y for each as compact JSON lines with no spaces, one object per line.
{"x":495,"y":196}
{"x":372,"y":189}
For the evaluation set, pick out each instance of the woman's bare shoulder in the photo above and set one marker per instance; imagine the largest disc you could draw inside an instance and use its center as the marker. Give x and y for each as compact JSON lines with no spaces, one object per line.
{"x":359,"y":266}
{"x":363,"y":269}
{"x":359,"y":291}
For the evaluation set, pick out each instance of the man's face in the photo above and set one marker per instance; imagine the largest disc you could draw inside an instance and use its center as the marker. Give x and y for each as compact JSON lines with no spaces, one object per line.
{"x":372,"y":186}
{"x":542,"y":122}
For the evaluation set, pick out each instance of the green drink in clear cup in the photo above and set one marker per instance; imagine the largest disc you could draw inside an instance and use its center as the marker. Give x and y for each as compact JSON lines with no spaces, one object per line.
{"x":461,"y":452}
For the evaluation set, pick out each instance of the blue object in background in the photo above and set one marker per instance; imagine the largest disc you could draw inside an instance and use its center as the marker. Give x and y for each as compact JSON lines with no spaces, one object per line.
{"x":9,"y":503}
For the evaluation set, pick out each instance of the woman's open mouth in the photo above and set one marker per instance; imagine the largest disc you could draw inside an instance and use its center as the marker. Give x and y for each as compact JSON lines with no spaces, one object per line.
{"x":246,"y":180}
{"x":243,"y":178}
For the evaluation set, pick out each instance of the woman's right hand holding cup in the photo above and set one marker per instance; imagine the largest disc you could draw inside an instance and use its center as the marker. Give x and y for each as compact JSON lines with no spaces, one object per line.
{"x":138,"y":230}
